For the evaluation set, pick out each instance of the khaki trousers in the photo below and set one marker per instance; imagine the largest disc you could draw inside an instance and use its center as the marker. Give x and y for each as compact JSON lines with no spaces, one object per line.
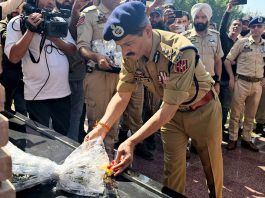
{"x":204,"y":127}
{"x":260,"y":115}
{"x":132,"y":116}
{"x":246,"y":94}
{"x":99,"y":89}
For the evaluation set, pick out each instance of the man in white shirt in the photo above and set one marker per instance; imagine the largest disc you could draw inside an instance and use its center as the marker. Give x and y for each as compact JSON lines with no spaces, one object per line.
{"x":45,"y":71}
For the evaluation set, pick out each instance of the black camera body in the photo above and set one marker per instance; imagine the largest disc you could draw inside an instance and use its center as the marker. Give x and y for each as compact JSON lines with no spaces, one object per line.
{"x":53,"y":24}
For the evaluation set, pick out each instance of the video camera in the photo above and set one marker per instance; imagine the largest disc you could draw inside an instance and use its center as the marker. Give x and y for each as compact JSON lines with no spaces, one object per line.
{"x":53,"y":24}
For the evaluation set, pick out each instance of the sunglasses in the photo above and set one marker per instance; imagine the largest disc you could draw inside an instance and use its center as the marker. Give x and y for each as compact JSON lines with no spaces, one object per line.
{"x":256,"y":26}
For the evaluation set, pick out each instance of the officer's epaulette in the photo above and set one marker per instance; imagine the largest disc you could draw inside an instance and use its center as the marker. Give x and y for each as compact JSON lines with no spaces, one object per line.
{"x":90,"y":8}
{"x":172,"y":54}
{"x":214,"y":31}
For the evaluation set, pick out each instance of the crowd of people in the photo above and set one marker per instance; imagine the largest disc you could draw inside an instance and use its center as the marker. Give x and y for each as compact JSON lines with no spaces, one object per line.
{"x":176,"y":67}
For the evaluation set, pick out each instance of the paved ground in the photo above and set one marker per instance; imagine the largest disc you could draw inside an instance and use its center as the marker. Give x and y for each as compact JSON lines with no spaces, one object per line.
{"x":244,"y":172}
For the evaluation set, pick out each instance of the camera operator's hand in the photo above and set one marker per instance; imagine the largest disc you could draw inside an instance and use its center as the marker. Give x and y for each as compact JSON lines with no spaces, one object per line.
{"x":103,"y":62}
{"x":35,"y":19}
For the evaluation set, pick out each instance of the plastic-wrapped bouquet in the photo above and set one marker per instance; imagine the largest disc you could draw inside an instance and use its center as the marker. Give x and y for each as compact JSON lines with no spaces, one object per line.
{"x":81,"y":172}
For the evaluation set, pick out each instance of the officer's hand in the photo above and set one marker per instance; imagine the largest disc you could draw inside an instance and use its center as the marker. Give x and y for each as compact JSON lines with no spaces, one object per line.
{"x":96,"y":132}
{"x":35,"y":19}
{"x":124,"y":156}
{"x":231,"y":84}
{"x":217,"y":88}
{"x":263,"y":82}
{"x":104,"y":62}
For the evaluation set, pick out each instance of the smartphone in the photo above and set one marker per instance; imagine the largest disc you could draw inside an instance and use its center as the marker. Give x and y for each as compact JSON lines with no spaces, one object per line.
{"x":241,"y":2}
{"x":178,"y":14}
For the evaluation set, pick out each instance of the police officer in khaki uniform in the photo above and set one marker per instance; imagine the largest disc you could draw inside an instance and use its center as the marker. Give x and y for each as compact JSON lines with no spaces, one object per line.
{"x":168,"y":66}
{"x":207,"y":41}
{"x":99,"y":86}
{"x":260,"y":116}
{"x":249,"y":54}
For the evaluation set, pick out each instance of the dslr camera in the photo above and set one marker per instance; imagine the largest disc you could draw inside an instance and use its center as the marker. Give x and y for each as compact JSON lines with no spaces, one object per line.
{"x":53,"y":24}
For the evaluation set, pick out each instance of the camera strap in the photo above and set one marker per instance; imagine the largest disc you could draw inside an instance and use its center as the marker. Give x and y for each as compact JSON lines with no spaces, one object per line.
{"x":43,"y":38}
{"x":42,"y":42}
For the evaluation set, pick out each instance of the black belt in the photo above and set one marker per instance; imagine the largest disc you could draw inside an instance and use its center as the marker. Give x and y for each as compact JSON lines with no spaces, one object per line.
{"x":249,"y":78}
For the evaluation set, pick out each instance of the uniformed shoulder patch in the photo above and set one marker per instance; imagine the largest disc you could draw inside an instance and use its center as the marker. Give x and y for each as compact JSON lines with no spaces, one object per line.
{"x":90,"y":8}
{"x":180,"y":67}
{"x":170,"y":53}
{"x":81,"y":20}
{"x":214,"y":31}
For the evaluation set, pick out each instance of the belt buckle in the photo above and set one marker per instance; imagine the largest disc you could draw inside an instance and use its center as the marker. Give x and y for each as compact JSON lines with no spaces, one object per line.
{"x":184,"y":109}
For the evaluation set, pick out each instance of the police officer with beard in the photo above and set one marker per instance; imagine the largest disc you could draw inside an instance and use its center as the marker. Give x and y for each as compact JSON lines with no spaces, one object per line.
{"x":207,"y":41}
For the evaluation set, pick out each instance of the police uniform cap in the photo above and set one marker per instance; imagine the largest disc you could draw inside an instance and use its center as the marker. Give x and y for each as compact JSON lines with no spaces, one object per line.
{"x":257,"y":20}
{"x":124,"y":19}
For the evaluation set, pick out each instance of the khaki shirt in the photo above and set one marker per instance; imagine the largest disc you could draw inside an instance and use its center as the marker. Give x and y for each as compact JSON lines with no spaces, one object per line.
{"x":209,"y":47}
{"x":179,"y":86}
{"x":90,"y":25}
{"x":249,"y":57}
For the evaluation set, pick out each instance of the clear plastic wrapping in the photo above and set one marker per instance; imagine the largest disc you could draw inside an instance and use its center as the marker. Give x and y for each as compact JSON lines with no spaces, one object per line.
{"x":79,"y":174}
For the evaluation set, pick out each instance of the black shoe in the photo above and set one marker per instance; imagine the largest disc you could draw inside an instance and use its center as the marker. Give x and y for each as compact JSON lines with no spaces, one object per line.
{"x":231,"y":145}
{"x":259,"y":128}
{"x":249,"y":145}
{"x":143,"y":152}
{"x":225,"y":137}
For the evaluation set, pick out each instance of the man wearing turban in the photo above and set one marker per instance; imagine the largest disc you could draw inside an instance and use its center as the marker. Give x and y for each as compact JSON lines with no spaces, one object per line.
{"x":207,"y":41}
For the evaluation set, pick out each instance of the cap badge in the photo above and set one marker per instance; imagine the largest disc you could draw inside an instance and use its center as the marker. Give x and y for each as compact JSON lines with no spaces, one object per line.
{"x":260,"y":20}
{"x":117,"y":30}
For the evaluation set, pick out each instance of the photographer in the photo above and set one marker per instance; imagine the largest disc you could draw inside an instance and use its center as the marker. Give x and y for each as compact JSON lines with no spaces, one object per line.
{"x":45,"y":66}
